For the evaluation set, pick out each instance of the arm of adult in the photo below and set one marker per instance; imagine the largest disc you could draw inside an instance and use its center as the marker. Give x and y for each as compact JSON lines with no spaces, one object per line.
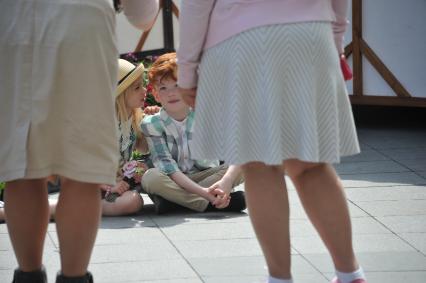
{"x":140,"y":13}
{"x":193,"y":26}
{"x":340,"y":8}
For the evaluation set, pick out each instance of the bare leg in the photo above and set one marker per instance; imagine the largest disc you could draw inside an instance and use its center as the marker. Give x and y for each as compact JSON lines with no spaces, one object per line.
{"x":77,"y":218}
{"x":268,"y":206}
{"x":27,"y":210}
{"x":323,"y":198}
{"x":129,"y":202}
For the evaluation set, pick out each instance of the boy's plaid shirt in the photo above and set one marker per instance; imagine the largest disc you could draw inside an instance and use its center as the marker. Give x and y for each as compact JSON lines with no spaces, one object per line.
{"x":163,"y":138}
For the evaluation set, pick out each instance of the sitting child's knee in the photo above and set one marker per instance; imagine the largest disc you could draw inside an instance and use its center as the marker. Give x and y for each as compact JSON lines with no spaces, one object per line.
{"x":150,"y":177}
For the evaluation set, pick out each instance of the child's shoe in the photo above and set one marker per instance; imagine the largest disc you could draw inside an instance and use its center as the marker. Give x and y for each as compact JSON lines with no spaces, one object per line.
{"x":162,"y":205}
{"x":236,"y":204}
{"x":38,"y":276}
{"x":335,"y":280}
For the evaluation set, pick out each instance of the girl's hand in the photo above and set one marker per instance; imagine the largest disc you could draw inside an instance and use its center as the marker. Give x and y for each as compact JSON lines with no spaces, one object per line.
{"x":188,"y":95}
{"x":105,"y":188}
{"x":151,"y":110}
{"x":120,"y":187}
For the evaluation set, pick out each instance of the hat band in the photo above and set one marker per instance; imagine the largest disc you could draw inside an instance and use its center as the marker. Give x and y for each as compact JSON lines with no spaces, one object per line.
{"x":128,"y":74}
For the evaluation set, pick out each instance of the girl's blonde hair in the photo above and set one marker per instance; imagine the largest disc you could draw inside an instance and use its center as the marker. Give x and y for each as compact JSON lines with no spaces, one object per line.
{"x":122,"y":115}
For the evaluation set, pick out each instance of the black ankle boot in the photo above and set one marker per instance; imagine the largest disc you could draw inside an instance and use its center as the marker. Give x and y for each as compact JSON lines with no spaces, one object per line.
{"x":37,"y":276}
{"x":88,"y":278}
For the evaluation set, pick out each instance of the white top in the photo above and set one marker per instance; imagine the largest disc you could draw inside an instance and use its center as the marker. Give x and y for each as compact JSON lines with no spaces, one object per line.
{"x":185,"y":164}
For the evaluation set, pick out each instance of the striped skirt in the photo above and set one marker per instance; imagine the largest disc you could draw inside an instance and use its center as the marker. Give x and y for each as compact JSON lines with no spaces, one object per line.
{"x":274,"y":93}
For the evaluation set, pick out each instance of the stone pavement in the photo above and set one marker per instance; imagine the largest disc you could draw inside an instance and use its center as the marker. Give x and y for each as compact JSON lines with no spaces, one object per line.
{"x":386,"y":189}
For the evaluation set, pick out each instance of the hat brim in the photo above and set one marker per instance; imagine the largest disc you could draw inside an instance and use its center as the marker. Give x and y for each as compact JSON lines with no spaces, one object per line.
{"x":130,"y":79}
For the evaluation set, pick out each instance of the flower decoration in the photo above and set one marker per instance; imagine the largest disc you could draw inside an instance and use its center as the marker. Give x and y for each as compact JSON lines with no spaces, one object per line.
{"x":134,"y":169}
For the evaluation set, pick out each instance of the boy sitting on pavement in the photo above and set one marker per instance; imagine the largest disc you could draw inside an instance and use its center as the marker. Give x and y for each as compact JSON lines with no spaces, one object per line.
{"x":199,"y":185}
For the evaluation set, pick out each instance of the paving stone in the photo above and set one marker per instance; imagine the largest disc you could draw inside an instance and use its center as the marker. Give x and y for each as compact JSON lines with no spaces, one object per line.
{"x":153,"y":250}
{"x":213,"y":231}
{"x":234,"y":279}
{"x":360,"y":225}
{"x":405,"y":153}
{"x":417,"y":240}
{"x":374,"y":261}
{"x":394,"y":207}
{"x":165,"y":269}
{"x":393,"y":138}
{"x":421,"y":173}
{"x":382,"y":180}
{"x":365,"y":155}
{"x":218,"y":248}
{"x":50,"y":260}
{"x":299,"y":278}
{"x":414,"y":164}
{"x":232,"y":266}
{"x":198,"y":218}
{"x":396,"y":277}
{"x":362,"y":243}
{"x":405,"y":224}
{"x":133,"y":221}
{"x":393,"y":277}
{"x":6,"y":245}
{"x":386,"y":193}
{"x":174,"y":280}
{"x":3,"y":228}
{"x":385,"y":166}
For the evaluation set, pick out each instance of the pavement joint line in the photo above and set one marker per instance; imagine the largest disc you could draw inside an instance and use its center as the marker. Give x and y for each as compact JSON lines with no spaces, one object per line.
{"x":309,"y":262}
{"x":388,"y":228}
{"x":178,"y":251}
{"x":52,"y":240}
{"x":401,"y":164}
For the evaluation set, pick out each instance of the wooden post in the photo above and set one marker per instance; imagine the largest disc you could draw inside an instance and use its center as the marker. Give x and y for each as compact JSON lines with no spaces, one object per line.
{"x":359,"y":47}
{"x":356,"y":46}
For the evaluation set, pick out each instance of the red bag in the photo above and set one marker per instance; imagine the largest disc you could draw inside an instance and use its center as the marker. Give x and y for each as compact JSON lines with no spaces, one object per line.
{"x":346,"y":69}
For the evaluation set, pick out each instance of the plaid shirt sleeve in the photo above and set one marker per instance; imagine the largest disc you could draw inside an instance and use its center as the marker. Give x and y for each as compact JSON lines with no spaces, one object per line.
{"x":153,"y":130}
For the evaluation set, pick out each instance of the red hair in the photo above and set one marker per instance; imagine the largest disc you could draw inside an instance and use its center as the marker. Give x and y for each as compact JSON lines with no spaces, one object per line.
{"x":164,"y":67}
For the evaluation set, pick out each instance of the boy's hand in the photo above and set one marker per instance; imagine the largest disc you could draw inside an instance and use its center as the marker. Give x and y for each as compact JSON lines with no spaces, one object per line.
{"x":223,"y":185}
{"x":221,"y":199}
{"x":188,"y":95}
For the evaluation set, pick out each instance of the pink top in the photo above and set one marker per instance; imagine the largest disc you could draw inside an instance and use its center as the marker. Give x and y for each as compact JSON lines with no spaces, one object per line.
{"x":205,"y":23}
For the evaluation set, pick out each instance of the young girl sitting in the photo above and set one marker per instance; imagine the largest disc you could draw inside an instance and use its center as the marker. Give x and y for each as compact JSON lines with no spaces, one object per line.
{"x":124,"y":198}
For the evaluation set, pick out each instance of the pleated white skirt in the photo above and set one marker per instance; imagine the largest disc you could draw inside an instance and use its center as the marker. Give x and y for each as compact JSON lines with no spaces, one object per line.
{"x":274,"y":93}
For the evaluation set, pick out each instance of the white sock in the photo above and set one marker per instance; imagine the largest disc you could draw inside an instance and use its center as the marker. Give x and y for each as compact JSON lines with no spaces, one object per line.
{"x":351,"y":276}
{"x":277,"y":280}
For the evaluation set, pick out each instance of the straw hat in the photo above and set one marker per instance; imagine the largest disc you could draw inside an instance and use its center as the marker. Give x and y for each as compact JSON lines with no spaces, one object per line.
{"x":127,"y":74}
